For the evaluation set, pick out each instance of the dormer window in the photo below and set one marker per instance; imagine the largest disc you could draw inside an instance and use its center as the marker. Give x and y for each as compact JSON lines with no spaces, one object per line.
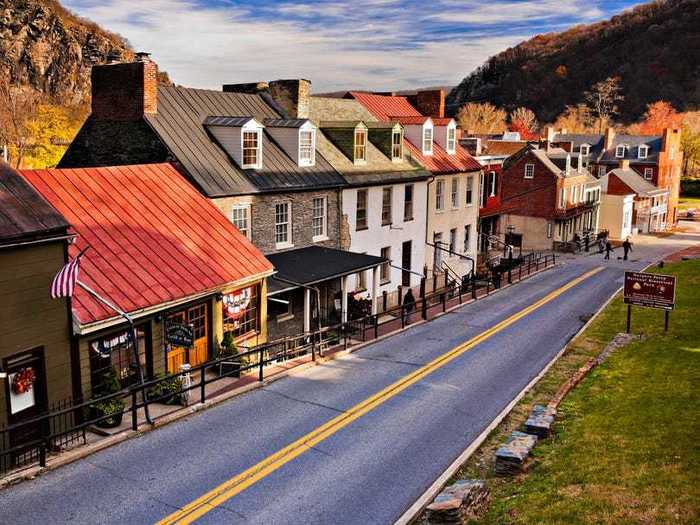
{"x":427,"y":140}
{"x":585,"y":149}
{"x":451,"y":140}
{"x":620,"y":151}
{"x":252,"y":149}
{"x":307,"y":147}
{"x":360,"y":149}
{"x":397,"y":144}
{"x":643,"y":151}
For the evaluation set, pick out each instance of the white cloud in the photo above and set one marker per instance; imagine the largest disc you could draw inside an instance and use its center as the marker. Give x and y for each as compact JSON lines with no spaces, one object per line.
{"x":371,"y":44}
{"x":525,"y":12}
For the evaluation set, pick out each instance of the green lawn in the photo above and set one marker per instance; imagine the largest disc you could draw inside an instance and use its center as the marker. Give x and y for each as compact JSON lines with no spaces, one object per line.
{"x":627,"y":442}
{"x":689,"y":202}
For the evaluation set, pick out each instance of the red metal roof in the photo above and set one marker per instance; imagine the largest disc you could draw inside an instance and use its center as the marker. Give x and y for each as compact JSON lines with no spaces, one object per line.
{"x":385,"y":107}
{"x":407,"y":121}
{"x":152,"y":237}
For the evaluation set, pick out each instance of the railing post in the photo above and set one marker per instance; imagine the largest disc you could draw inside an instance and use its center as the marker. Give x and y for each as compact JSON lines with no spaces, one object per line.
{"x":403,"y":317}
{"x":42,"y":453}
{"x":260,"y":362}
{"x":134,"y":414}
{"x":529,"y":261}
{"x":424,"y":309}
{"x":444,"y":300}
{"x":345,"y":330}
{"x":203,"y":383}
{"x":446,"y":277}
{"x":384,"y":300}
{"x":488,"y":285}
{"x":460,"y":292}
{"x":313,"y":347}
{"x":473,"y":279}
{"x":376,"y":326}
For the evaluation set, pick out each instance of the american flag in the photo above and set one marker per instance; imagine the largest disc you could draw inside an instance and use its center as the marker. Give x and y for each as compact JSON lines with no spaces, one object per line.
{"x":63,"y":284}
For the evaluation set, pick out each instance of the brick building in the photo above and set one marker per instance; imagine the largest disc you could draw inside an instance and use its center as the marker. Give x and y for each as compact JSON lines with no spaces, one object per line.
{"x":657,"y":159}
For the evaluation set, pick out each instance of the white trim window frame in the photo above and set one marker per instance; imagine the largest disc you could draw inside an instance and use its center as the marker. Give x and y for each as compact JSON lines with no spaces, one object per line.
{"x":467,"y":237}
{"x":408,"y":196}
{"x":469,"y":197}
{"x":307,"y":147}
{"x":529,"y":171}
{"x":492,"y":183}
{"x":648,"y":173}
{"x":387,"y":205}
{"x":451,"y":142}
{"x":240,"y":217}
{"x":360,"y":145}
{"x":319,"y":219}
{"x":283,"y":224}
{"x":454,"y":193}
{"x":427,"y":137}
{"x":620,"y":151}
{"x":643,"y":148}
{"x":585,"y":149}
{"x":397,"y":145}
{"x":602,"y":171}
{"x":385,"y":268}
{"x":440,"y":194}
{"x":251,"y":148}
{"x":562,"y":197}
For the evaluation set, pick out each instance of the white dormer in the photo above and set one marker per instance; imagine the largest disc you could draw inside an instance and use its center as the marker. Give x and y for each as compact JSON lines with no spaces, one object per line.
{"x":297,"y":137}
{"x":585,"y":149}
{"x":643,"y":151}
{"x":620,"y":151}
{"x":579,"y":166}
{"x":446,"y":136}
{"x":419,"y":132}
{"x":241,"y":137}
{"x":360,"y":144}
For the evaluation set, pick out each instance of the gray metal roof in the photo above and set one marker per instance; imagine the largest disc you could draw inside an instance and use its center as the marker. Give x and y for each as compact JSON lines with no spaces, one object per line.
{"x":285,"y":122}
{"x":597,"y":143}
{"x":634,"y":181}
{"x":234,"y":122}
{"x":179,"y":124}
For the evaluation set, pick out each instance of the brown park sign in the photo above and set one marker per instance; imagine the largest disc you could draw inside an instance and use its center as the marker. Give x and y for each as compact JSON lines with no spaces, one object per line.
{"x":650,"y":289}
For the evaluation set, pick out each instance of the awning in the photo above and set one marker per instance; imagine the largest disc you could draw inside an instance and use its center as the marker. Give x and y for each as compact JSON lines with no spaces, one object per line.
{"x":315,"y":264}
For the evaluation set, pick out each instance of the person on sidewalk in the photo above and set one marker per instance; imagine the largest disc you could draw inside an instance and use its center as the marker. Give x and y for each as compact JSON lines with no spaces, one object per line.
{"x":409,"y":302}
{"x":627,"y":247}
{"x":608,"y":249}
{"x":587,"y":242}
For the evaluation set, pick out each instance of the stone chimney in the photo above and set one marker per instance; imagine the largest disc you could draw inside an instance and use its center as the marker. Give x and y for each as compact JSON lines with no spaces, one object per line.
{"x":625,"y":164}
{"x":293,"y":96}
{"x":609,"y":138}
{"x":431,"y":103}
{"x":125,"y":91}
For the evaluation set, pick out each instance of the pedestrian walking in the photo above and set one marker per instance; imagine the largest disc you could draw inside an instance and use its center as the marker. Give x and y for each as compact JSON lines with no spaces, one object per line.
{"x":587,"y":241}
{"x":627,"y":247}
{"x":608,"y":249}
{"x":577,"y":242}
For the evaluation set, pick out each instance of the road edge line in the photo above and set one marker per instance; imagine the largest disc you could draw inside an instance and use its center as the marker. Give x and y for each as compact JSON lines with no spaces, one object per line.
{"x":434,"y":489}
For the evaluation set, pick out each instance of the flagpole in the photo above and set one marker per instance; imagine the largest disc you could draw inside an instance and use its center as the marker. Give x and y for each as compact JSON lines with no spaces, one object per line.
{"x":132,"y":334}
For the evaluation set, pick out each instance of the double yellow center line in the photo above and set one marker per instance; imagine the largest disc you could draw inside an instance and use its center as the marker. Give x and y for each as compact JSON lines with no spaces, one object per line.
{"x":215,"y":497}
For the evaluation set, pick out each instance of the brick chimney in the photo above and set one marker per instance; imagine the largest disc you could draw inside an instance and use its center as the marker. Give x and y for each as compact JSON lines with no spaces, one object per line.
{"x":625,"y":164}
{"x":671,"y":138}
{"x":125,"y":91}
{"x":549,"y":133}
{"x":431,"y":102}
{"x":609,"y":137}
{"x":292,"y":95}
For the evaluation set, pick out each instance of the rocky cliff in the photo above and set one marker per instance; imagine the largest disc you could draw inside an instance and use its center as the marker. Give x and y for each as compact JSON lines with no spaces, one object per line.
{"x":46,"y":48}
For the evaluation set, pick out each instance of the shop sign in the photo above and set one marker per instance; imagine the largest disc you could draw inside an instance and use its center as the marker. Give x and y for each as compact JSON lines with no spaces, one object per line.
{"x":650,"y":289}
{"x":180,"y":334}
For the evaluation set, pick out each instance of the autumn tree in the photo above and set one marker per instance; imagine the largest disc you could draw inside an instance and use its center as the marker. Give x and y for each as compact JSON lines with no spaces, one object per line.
{"x":481,"y":118}
{"x":602,"y":100}
{"x":575,"y":119}
{"x":524,"y":121}
{"x":51,"y":130}
{"x":17,"y":108}
{"x":659,"y":116}
{"x":690,"y":142}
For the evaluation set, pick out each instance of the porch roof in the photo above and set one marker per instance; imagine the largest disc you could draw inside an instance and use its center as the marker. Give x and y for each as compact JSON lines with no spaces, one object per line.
{"x":315,"y":264}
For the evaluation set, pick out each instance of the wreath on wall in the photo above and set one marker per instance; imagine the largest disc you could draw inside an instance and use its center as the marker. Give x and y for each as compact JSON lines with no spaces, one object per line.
{"x":23,"y":381}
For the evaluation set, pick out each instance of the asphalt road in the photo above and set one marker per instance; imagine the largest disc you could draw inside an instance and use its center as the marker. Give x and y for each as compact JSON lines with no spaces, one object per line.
{"x":369,"y":471}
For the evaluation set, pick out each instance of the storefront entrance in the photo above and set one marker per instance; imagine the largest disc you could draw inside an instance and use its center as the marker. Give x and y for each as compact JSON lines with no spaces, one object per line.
{"x":198,"y":318}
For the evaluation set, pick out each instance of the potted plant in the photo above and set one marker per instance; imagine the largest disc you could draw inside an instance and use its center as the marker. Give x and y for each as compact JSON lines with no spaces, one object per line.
{"x":167,"y":391}
{"x":232,"y":361}
{"x":111,"y":411}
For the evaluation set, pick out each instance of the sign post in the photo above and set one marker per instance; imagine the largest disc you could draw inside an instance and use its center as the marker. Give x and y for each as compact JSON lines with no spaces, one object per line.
{"x":650,"y":290}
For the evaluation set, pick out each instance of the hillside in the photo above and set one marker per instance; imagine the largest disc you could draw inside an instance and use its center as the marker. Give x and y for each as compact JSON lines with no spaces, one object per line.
{"x":654,"y":49}
{"x":48,"y":49}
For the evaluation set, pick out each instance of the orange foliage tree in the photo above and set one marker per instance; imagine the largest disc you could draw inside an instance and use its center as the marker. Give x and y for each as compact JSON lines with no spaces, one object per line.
{"x":659,"y":116}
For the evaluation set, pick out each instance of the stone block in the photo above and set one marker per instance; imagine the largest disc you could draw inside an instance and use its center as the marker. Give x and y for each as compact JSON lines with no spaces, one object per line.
{"x":512,"y":455}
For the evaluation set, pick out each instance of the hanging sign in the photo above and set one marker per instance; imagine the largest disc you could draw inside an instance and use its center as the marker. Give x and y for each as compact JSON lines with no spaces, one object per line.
{"x":180,"y":334}
{"x":650,"y":289}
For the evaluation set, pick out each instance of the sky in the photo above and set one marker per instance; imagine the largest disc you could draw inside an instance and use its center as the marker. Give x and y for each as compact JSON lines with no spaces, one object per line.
{"x":361,"y":44}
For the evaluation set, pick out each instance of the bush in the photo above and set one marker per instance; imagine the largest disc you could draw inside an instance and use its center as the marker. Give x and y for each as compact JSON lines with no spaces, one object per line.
{"x":168,"y":391}
{"x":690,"y":188}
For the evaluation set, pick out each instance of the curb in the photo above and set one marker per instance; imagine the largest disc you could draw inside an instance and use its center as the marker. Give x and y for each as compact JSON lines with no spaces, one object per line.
{"x":84,"y":451}
{"x":424,"y":500}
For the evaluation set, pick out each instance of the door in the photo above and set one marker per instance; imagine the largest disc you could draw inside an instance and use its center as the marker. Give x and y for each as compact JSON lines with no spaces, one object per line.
{"x":197,"y":316}
{"x":406,"y":248}
{"x":25,"y":391}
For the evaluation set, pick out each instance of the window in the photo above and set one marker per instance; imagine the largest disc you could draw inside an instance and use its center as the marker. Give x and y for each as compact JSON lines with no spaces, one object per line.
{"x":241,"y":312}
{"x":451,"y":140}
{"x":239,"y":218}
{"x":318,"y":218}
{"x":282,"y":221}
{"x":470,"y":190}
{"x":397,"y":145}
{"x":454,"y":195}
{"x":361,"y":210}
{"x":385,"y":268}
{"x":280,"y":307}
{"x":482,"y":197}
{"x":113,"y":355}
{"x":643,"y":152}
{"x":492,"y":176}
{"x":307,"y":151}
{"x":574,"y":194}
{"x":440,"y":195}
{"x":453,"y":241}
{"x":361,"y":281}
{"x":428,"y":141}
{"x":360,"y":145}
{"x":408,"y":202}
{"x":648,"y":173}
{"x":585,"y":150}
{"x":467,"y":237}
{"x":387,"y":194}
{"x":529,"y":171}
{"x":620,"y":151}
{"x":601,"y":171}
{"x":549,"y":230}
{"x":251,"y":149}
{"x":562,"y":197}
